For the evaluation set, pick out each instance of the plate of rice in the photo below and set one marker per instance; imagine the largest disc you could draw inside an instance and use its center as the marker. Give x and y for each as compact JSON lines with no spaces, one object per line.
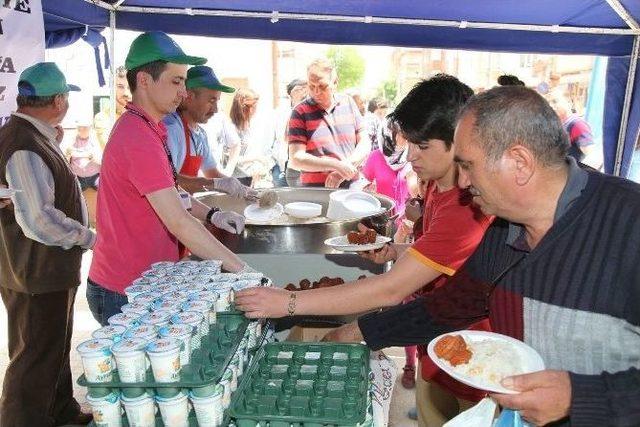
{"x":482,"y":359}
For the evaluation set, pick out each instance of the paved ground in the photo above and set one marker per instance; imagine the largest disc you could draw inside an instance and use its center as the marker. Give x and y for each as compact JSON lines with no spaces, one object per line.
{"x":84,"y":324}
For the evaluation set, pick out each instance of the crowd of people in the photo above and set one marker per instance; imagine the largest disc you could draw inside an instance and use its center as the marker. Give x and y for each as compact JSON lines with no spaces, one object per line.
{"x":499,"y":227}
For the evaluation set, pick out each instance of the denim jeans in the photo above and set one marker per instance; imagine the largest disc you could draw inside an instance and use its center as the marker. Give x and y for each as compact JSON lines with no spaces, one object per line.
{"x":103,"y":303}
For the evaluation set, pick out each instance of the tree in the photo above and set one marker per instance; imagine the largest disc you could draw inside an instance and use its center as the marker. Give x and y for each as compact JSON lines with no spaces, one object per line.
{"x":388,"y":90}
{"x":349,"y":66}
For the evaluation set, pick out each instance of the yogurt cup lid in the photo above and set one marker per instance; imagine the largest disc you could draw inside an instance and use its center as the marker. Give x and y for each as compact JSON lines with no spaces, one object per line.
{"x":176,"y":295}
{"x":164,"y":287}
{"x":250,"y":276}
{"x":96,"y":345}
{"x":135,"y":307}
{"x":188,"y":263}
{"x":220,"y":286}
{"x":137,"y":289}
{"x":141,"y":331}
{"x":166,"y":305}
{"x":198,"y":305}
{"x":109,"y":331}
{"x":111,"y":398}
{"x":147,"y":297}
{"x":129,"y":345}
{"x":176,"y":330}
{"x":188,"y":317}
{"x":154,"y":317}
{"x":164,"y":345}
{"x":245,"y":284}
{"x":224,"y":277}
{"x":203,"y":296}
{"x":123,"y":319}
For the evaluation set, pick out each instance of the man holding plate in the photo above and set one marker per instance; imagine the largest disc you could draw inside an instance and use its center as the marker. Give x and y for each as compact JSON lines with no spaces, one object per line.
{"x":559,"y":269}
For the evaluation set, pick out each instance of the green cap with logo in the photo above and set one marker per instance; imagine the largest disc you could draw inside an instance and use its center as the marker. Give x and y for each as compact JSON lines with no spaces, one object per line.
{"x":157,"y":46}
{"x":203,"y":76}
{"x":43,"y":79}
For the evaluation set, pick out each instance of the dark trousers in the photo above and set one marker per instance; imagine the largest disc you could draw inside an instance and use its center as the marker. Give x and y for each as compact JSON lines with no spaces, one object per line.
{"x":103,"y":303}
{"x":38,"y":389}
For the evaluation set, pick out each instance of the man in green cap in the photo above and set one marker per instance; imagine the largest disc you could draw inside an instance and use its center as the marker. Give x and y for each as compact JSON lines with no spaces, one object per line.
{"x":41,"y":243}
{"x":188,"y":141}
{"x":140,"y":213}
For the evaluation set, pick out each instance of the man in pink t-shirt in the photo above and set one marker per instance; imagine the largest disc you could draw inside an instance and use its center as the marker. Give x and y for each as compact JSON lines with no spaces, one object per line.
{"x":140,"y":214}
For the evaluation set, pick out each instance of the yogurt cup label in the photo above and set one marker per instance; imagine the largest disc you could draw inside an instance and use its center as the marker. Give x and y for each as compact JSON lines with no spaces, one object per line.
{"x":111,"y":332}
{"x":141,"y":411}
{"x":174,"y":411}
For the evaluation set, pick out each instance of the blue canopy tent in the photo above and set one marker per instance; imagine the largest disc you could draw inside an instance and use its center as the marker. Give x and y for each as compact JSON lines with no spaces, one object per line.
{"x":598,"y":27}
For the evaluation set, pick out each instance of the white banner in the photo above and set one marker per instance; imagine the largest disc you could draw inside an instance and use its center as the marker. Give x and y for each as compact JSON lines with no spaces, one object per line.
{"x":21,"y":45}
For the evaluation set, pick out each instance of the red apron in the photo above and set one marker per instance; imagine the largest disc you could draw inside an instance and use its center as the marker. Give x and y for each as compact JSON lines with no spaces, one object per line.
{"x":190,"y":167}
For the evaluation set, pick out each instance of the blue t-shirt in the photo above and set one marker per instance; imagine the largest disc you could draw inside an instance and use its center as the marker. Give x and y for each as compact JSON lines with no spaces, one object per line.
{"x":199,"y":143}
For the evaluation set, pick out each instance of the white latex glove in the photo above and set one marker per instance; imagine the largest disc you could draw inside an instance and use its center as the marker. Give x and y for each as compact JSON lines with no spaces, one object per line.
{"x":228,"y":221}
{"x":234,"y":188}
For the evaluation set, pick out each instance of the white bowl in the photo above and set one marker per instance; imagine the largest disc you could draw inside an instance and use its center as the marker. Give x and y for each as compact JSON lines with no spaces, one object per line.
{"x":349,"y":204}
{"x":303,"y":209}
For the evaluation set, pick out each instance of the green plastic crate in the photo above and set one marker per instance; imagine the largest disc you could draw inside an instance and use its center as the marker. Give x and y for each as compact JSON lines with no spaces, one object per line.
{"x":304,"y":384}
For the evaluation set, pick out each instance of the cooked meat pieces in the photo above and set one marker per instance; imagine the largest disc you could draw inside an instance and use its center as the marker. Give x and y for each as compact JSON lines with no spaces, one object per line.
{"x":454,"y":349}
{"x":361,"y":238}
{"x":324,"y":282}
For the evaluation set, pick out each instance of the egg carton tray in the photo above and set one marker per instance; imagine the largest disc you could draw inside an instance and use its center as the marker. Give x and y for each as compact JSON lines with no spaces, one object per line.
{"x":207,"y":364}
{"x":304,"y":384}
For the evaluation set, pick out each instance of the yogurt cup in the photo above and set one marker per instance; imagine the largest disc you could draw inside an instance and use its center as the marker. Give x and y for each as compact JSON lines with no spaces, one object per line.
{"x":226,"y":383}
{"x":109,"y":332}
{"x":135,"y":290}
{"x":254,"y":277}
{"x":147,"y":297}
{"x":162,"y":304}
{"x":106,"y":410}
{"x":204,"y":307}
{"x":188,"y":263}
{"x":124,"y":319}
{"x":154,"y":274}
{"x":136,"y":308}
{"x":165,"y":287}
{"x":96,"y":360}
{"x":196,"y":320}
{"x":141,"y":410}
{"x":131,"y":359}
{"x":211,"y":264}
{"x":183,"y":333}
{"x":224,"y":277}
{"x":208,"y":409}
{"x":156,"y":318}
{"x":174,"y":410}
{"x":238,"y":361}
{"x":147,"y":332}
{"x":164,"y":354}
{"x":176,"y":295}
{"x":224,"y":291}
{"x":234,"y":376}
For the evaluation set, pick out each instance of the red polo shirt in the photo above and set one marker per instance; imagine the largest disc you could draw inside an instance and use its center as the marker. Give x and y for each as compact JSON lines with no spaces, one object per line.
{"x":452,"y":229}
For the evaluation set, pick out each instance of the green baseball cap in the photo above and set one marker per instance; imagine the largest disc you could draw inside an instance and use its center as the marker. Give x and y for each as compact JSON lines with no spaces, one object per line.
{"x":43,"y":79}
{"x":203,"y":76}
{"x":155,"y":46}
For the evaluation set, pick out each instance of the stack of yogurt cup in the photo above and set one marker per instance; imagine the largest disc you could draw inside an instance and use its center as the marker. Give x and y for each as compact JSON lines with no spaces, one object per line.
{"x":169,"y":313}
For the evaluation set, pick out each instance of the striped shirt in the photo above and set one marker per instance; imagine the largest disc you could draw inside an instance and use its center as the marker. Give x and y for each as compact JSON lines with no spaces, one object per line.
{"x":325,"y":133}
{"x":574,"y":298}
{"x":34,"y":205}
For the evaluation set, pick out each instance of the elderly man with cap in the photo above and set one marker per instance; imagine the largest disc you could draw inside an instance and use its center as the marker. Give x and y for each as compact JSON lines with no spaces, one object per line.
{"x":141,"y":213}
{"x":188,"y":142}
{"x":41,"y":243}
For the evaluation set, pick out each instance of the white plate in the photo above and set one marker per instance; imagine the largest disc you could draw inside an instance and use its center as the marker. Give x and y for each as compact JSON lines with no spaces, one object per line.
{"x":341,"y":243}
{"x":254,"y":213}
{"x":531,"y":360}
{"x":6,"y":193}
{"x":303,"y":210}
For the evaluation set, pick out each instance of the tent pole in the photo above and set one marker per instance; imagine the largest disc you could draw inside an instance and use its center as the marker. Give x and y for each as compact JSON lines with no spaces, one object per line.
{"x":379,"y":20}
{"x":627,"y":105}
{"x":112,"y":51}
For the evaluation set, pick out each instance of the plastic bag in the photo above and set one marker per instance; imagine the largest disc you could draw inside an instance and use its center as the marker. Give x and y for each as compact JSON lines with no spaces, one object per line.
{"x":483,"y":414}
{"x":510,"y":418}
{"x":480,"y":415}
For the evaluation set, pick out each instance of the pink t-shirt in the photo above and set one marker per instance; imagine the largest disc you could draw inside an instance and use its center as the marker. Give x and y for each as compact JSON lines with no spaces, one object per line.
{"x":391,"y":183}
{"x":131,"y":236}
